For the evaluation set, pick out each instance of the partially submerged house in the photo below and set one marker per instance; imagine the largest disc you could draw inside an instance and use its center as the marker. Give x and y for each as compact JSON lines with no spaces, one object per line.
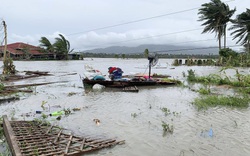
{"x":21,"y":51}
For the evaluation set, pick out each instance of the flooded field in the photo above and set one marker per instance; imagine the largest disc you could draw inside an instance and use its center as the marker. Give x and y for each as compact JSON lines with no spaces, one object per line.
{"x":136,"y":118}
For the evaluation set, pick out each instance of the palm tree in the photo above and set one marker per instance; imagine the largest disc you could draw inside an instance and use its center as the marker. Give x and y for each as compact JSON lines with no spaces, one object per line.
{"x":45,"y":43}
{"x":62,"y":46}
{"x":216,"y":16}
{"x":241,"y":27}
{"x":226,"y":17}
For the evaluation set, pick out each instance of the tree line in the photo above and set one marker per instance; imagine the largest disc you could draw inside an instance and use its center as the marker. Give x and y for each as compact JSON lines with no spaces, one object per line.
{"x":143,"y":55}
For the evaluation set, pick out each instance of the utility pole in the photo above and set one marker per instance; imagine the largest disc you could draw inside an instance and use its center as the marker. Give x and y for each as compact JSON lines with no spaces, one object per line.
{"x":5,"y":41}
{"x":8,"y":67}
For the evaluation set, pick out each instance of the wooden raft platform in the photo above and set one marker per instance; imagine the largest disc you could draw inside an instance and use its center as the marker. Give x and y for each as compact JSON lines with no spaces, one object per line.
{"x":28,"y":138}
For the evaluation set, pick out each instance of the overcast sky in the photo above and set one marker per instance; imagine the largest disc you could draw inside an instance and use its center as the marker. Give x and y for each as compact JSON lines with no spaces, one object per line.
{"x":90,"y":24}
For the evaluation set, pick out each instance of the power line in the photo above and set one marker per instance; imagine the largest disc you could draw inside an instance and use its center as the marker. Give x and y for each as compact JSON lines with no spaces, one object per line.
{"x":135,"y":21}
{"x":139,"y":20}
{"x":211,"y":39}
{"x":160,"y":35}
{"x":187,"y":49}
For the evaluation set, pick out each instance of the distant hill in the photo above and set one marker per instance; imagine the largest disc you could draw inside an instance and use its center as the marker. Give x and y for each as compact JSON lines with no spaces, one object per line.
{"x":169,"y":49}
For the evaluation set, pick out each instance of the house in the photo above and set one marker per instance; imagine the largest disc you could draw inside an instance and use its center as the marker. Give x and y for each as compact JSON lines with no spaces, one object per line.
{"x":20,"y":51}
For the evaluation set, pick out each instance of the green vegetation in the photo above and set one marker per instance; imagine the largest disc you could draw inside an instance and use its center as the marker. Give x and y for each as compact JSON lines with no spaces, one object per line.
{"x":171,"y":80}
{"x":167,"y":128}
{"x":8,"y":66}
{"x":142,"y":55}
{"x":204,"y":91}
{"x":215,"y":100}
{"x":210,"y":79}
{"x":245,"y":90}
{"x":216,"y":15}
{"x":227,"y":52}
{"x":166,"y":111}
{"x":241,"y":27}
{"x":71,"y":93}
{"x":229,"y":57}
{"x":146,"y":53}
{"x":240,"y":80}
{"x":1,"y":87}
{"x":134,"y":115}
{"x":60,"y":49}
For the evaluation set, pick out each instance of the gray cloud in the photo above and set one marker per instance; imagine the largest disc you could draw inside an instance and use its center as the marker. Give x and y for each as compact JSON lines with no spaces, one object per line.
{"x":29,"y":20}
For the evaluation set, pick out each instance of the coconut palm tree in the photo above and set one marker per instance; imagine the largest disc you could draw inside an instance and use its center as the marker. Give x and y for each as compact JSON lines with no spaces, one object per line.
{"x":45,"y":43}
{"x":226,"y":17}
{"x":62,"y":46}
{"x":216,"y":16}
{"x":241,"y":27}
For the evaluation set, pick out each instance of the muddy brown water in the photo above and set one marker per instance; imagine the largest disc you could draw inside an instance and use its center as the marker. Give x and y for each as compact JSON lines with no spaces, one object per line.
{"x":135,"y":117}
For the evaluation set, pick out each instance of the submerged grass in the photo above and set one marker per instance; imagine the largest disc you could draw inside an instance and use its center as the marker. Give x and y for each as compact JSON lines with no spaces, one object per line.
{"x":240,"y":80}
{"x":167,"y":128}
{"x":214,"y":100}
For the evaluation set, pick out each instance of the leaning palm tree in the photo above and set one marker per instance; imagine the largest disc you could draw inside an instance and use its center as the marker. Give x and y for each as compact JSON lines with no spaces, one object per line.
{"x":44,"y":42}
{"x":241,"y":27}
{"x":216,"y":16}
{"x":226,"y":17}
{"x":62,"y":46}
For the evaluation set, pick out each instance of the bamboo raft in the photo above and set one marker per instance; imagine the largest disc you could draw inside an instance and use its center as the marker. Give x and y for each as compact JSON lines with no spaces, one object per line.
{"x":28,"y":138}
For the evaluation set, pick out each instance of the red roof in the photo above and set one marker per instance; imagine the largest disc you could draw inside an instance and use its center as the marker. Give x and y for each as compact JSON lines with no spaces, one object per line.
{"x":17,"y":48}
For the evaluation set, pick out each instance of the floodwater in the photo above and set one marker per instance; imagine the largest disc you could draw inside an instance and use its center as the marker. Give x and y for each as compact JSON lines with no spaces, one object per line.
{"x":135,"y":117}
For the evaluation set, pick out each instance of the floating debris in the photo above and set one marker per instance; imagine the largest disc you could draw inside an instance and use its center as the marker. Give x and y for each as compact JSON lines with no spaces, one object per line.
{"x":207,"y":133}
{"x":97,"y":121}
{"x":131,"y":89}
{"x":57,"y":113}
{"x":31,"y":138}
{"x":76,"y":109}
